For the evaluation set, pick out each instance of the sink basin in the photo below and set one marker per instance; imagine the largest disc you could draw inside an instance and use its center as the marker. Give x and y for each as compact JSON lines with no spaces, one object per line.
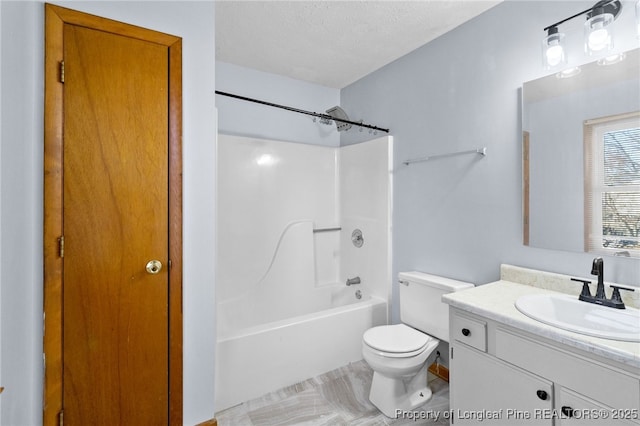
{"x":569,"y":313}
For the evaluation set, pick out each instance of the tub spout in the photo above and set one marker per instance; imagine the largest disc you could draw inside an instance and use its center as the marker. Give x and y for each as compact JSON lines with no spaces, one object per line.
{"x":352,"y":281}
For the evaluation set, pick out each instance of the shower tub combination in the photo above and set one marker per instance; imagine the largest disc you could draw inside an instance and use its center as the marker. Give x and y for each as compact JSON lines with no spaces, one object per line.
{"x":263,"y":358}
{"x":286,"y":213}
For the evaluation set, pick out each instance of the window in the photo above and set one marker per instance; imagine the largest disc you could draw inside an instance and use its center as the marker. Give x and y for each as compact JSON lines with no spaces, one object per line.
{"x":612,"y":185}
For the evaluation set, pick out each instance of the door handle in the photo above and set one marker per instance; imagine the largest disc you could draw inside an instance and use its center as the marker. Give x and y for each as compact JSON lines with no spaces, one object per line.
{"x":154,"y":267}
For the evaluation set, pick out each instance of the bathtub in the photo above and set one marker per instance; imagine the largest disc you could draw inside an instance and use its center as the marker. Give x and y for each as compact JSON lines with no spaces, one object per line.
{"x":258,"y":359}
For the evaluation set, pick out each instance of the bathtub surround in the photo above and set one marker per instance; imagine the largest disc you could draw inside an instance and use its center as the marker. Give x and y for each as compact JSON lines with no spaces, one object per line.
{"x":271,"y":196}
{"x":286,"y":216}
{"x":338,"y":397}
{"x":366,"y":200}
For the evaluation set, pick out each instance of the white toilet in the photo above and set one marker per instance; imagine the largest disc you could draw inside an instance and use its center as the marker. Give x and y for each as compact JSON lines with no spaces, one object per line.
{"x":398,"y":353}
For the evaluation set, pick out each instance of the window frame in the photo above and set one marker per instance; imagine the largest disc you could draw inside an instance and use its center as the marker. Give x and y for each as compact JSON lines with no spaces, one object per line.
{"x":595,"y":187}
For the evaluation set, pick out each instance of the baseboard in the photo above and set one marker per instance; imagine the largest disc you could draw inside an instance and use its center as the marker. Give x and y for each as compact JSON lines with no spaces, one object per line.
{"x":440,"y":371}
{"x":212,"y":422}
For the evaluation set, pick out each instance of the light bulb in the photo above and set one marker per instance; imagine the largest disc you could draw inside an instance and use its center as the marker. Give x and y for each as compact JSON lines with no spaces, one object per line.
{"x":598,"y":39}
{"x":598,"y":36}
{"x":554,"y":55}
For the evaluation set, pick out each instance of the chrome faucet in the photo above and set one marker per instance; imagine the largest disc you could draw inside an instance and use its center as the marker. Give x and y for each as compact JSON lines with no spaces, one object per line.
{"x":352,"y":281}
{"x":597,"y":268}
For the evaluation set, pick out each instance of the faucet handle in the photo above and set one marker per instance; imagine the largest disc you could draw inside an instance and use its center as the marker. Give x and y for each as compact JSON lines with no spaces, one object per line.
{"x":617,"y":287}
{"x":616,"y":293}
{"x":585,"y":288}
{"x":615,"y":296}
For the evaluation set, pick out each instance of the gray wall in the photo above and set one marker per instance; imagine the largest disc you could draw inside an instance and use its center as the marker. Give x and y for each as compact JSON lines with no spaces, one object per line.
{"x":21,"y":222}
{"x":461,"y":216}
{"x":243,"y":118}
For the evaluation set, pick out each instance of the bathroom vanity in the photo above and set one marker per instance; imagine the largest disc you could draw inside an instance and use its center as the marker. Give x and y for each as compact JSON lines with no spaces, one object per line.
{"x":509,"y":369}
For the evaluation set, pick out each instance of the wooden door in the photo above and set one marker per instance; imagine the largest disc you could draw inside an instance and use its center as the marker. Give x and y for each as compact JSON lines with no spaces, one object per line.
{"x":115,"y":189}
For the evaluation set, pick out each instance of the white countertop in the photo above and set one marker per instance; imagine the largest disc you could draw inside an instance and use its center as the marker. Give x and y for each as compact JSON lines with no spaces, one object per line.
{"x":496,"y":301}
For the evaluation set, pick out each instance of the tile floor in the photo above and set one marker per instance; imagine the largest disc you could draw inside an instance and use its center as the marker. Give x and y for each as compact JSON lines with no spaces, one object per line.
{"x":339,"y":397}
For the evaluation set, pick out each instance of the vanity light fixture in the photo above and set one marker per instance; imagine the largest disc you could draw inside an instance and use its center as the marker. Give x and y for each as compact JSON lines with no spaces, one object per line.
{"x":598,"y":35}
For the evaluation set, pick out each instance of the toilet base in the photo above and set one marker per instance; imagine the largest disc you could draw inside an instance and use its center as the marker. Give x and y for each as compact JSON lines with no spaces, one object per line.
{"x":392,"y":395}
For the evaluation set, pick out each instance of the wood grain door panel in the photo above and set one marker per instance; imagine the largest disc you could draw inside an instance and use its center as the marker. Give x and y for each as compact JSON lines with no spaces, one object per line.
{"x":115,"y":221}
{"x":113,"y":331}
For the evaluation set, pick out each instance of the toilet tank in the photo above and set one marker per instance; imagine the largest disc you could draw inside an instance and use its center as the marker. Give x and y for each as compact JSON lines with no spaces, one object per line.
{"x":421,"y":303}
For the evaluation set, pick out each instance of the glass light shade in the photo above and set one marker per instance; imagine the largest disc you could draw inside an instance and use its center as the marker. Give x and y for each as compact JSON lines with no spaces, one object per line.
{"x":598,"y":35}
{"x":569,"y":72}
{"x":612,"y":59}
{"x":553,"y":51}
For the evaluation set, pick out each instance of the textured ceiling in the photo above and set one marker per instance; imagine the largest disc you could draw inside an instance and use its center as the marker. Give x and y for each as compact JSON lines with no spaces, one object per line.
{"x":332,"y":43}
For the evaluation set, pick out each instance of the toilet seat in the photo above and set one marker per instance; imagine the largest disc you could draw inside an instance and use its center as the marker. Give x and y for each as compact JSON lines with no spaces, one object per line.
{"x":396,"y":341}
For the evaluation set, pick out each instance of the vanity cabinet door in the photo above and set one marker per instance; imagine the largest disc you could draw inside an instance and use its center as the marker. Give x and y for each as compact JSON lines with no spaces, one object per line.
{"x":487,"y":391}
{"x":574,"y":409}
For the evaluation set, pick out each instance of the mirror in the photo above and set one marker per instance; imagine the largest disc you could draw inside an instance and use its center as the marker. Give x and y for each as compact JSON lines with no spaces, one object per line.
{"x":555,"y":111}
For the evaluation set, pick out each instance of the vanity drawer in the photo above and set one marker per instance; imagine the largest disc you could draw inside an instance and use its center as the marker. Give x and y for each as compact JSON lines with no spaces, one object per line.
{"x":595,"y":380}
{"x":577,"y":410}
{"x":470,"y":331}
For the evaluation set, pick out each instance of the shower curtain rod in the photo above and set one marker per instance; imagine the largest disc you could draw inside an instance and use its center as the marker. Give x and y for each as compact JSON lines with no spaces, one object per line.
{"x":301,"y":111}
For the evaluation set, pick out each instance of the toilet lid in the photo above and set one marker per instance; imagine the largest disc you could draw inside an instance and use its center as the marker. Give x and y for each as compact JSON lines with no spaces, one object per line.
{"x":397,"y":338}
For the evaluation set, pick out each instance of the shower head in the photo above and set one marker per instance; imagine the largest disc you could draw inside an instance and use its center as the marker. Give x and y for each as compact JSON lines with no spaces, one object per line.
{"x":338,"y":113}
